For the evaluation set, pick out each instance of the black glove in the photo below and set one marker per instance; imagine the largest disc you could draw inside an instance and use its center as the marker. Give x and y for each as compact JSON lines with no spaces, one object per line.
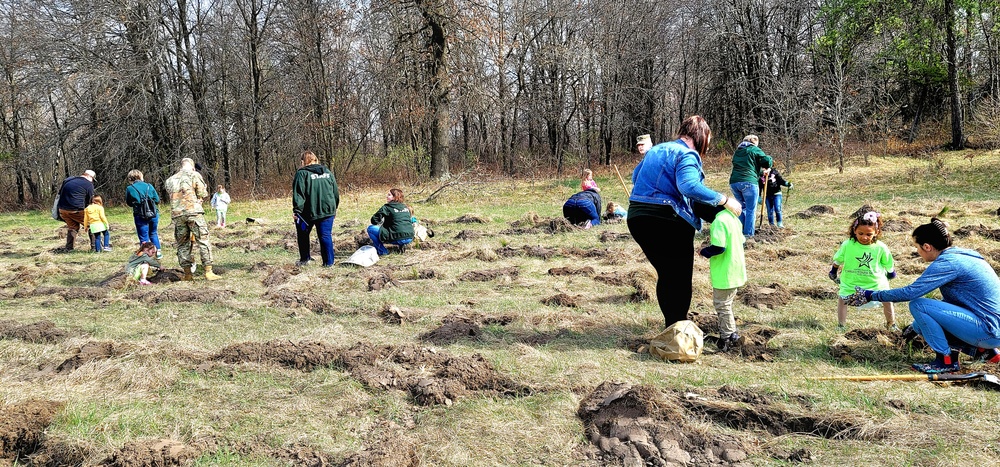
{"x":712,"y":250}
{"x":833,"y":275}
{"x":890,"y":275}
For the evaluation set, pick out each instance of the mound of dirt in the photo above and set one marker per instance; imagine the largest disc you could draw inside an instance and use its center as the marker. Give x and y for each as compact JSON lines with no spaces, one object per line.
{"x":614,"y":237}
{"x":533,"y":224}
{"x":305,"y":355}
{"x":771,"y":296}
{"x":489,"y":275}
{"x":157,"y":452}
{"x":771,"y":234}
{"x":522,"y":231}
{"x":861,"y":211}
{"x":55,"y":452}
{"x":394,"y":449}
{"x":644,"y":282}
{"x":530,"y":251}
{"x":286,"y":298}
{"x":571,"y":271}
{"x":642,"y":425}
{"x":23,"y":425}
{"x":429,"y":274}
{"x":94,"y":294}
{"x":897,"y":225}
{"x":814,"y":211}
{"x":40,"y":332}
{"x":752,"y":344}
{"x":469,"y":235}
{"x":453,"y":329}
{"x":873,"y":345}
{"x":91,"y":352}
{"x":562,"y":300}
{"x":379,"y":280}
{"x":817,"y":293}
{"x":205,"y":295}
{"x":471,"y":219}
{"x":429,"y":376}
{"x":276,"y":277}
{"x":612,"y":278}
{"x":981,"y":230}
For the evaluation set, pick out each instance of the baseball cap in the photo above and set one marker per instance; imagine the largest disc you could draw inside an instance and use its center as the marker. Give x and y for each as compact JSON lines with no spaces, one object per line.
{"x":91,"y":174}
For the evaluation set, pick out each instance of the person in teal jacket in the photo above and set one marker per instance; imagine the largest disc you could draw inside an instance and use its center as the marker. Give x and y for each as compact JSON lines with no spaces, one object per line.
{"x":392,"y":223}
{"x":748,"y":162}
{"x":315,"y":198}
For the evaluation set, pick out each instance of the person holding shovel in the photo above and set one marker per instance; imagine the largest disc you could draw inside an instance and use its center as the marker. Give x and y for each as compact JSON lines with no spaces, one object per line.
{"x":770,"y":184}
{"x":660,"y":216}
{"x":966,"y":319}
{"x":748,"y":163}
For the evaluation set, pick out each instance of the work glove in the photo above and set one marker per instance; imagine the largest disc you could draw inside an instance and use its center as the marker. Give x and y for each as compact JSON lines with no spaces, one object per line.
{"x":833,"y":275}
{"x":712,"y":250}
{"x":790,"y":185}
{"x":859,"y":297}
{"x":890,"y":275}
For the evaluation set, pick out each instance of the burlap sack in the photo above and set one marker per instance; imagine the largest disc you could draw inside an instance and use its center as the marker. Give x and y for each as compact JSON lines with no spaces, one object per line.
{"x":682,"y":341}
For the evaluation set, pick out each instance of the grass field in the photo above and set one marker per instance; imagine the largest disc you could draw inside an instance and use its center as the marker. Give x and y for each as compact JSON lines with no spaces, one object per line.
{"x":496,"y":342}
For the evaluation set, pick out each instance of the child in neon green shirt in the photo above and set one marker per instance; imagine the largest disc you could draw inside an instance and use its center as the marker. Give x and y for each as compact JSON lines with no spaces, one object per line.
{"x":727,"y":266}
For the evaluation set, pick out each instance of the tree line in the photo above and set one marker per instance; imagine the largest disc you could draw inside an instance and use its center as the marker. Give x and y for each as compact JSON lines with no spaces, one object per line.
{"x":423,"y":88}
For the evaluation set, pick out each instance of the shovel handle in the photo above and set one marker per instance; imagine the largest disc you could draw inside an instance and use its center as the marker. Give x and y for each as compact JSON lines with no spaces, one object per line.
{"x":928,"y":377}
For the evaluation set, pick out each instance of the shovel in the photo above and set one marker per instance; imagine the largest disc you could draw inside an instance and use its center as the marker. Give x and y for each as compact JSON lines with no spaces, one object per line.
{"x":991,"y":380}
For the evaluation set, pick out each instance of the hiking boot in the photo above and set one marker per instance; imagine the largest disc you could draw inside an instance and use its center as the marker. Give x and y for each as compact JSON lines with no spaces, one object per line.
{"x":941,"y":364}
{"x":187,"y":274}
{"x":304,"y":262}
{"x":987,"y":355}
{"x":728,"y":343}
{"x":209,"y":275}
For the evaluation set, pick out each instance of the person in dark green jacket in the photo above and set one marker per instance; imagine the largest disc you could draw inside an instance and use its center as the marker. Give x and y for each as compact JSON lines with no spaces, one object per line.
{"x":315,"y":198}
{"x":393,"y":223}
{"x":748,"y":162}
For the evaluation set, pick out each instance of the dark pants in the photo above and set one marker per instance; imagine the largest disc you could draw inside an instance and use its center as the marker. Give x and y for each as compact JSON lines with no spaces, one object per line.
{"x":324,"y":230}
{"x":669,"y":246}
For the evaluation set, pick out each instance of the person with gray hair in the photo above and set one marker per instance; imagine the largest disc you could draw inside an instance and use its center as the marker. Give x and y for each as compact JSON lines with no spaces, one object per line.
{"x":187,"y":189}
{"x":749,"y":163}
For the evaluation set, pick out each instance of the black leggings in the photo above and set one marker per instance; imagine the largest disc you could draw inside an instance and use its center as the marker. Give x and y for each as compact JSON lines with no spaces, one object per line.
{"x":669,"y":247}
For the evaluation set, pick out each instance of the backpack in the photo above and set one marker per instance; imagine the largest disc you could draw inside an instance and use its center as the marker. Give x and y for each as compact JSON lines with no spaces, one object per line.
{"x":146,"y":208}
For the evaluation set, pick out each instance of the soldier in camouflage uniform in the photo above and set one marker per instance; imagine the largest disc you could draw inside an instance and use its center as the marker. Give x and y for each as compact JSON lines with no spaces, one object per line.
{"x":186,"y":189}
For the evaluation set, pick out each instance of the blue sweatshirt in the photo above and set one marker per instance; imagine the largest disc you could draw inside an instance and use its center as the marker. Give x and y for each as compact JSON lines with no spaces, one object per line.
{"x":965,"y":280}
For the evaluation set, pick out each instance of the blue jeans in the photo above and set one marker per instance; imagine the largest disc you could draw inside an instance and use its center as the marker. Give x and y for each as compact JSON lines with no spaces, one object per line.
{"x":932,"y":318}
{"x":746,"y":193}
{"x":145,"y":229}
{"x":773,"y":204}
{"x":578,"y":211}
{"x":99,"y":243}
{"x":373,"y":233}
{"x":324,"y":230}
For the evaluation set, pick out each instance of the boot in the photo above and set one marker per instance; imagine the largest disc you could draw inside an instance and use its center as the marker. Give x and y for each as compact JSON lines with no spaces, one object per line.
{"x":209,"y":275}
{"x":70,"y":239}
{"x":187,"y":274}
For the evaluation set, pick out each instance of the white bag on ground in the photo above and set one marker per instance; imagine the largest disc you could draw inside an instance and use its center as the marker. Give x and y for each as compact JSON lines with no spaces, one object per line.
{"x":682,"y":341}
{"x":364,"y":256}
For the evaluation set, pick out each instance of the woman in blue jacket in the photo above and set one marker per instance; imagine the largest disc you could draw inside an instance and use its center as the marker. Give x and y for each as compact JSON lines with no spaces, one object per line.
{"x":145,"y":228}
{"x":967,"y":318}
{"x":660,"y":218}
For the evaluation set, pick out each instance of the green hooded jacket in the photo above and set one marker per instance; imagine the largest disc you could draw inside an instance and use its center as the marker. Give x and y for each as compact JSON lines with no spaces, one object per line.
{"x":314,"y":193}
{"x":394,"y":217}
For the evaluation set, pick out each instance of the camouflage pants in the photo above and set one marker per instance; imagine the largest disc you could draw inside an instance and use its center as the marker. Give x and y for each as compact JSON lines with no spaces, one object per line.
{"x":184,"y":228}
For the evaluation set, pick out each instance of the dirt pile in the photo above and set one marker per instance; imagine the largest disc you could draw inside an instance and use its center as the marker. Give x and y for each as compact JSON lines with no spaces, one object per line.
{"x":753,"y":344}
{"x":456,"y":327}
{"x":816,"y":210}
{"x":291,"y":299}
{"x":981,"y":230}
{"x":22,"y":427}
{"x":529,"y":251}
{"x":562,"y":300}
{"x":89,"y":352}
{"x":157,"y":452}
{"x":41,"y":332}
{"x":394,"y":449}
{"x":873,"y":345}
{"x":771,"y":296}
{"x":489,"y":275}
{"x":153,"y":296}
{"x":305,"y":355}
{"x":642,"y":425}
{"x":614,"y":237}
{"x":571,"y":271}
{"x":430,"y":377}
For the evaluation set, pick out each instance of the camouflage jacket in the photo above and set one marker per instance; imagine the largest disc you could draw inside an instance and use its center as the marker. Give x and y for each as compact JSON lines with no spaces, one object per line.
{"x":186,"y":189}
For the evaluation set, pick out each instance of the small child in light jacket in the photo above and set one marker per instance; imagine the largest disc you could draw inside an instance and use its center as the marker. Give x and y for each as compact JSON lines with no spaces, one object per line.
{"x":220,"y":202}
{"x":96,"y":224}
{"x":727,"y":266}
